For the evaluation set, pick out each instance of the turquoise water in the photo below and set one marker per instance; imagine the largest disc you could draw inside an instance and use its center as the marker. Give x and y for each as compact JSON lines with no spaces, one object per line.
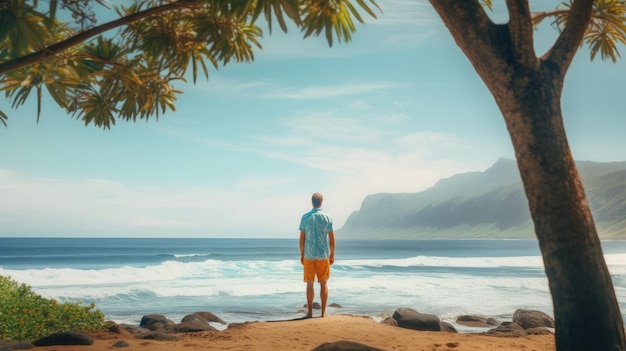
{"x":261,"y":279}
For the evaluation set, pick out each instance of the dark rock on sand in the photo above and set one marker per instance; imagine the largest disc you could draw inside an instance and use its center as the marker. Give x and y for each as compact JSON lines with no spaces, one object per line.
{"x":335,"y":305}
{"x":507,"y":329}
{"x":344,"y":346}
{"x":120,"y":344}
{"x":19,"y":345}
{"x":471,"y":320}
{"x":158,"y":336}
{"x":532,"y":319}
{"x":66,"y":338}
{"x":411,"y":319}
{"x":205,"y":317}
{"x":155,"y":322}
{"x":191,"y":327}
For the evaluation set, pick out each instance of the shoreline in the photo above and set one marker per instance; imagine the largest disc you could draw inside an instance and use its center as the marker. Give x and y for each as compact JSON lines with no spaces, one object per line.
{"x":307,"y":334}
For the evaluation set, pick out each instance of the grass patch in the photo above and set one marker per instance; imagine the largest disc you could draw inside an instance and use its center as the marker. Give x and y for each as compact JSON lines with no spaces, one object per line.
{"x":26,"y":316}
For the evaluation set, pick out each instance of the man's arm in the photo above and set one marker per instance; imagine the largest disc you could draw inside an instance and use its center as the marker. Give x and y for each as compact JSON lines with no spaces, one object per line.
{"x":331,"y":243}
{"x":302,"y":237}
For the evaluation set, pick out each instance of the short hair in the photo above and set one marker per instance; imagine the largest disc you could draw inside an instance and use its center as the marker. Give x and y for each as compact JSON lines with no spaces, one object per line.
{"x":317,"y":199}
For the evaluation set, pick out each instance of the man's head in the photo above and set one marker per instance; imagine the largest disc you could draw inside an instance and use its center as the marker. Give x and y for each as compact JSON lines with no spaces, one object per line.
{"x":317,"y":200}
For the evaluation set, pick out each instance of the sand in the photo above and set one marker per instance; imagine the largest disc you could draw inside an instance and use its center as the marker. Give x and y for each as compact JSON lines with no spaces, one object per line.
{"x":310,"y":333}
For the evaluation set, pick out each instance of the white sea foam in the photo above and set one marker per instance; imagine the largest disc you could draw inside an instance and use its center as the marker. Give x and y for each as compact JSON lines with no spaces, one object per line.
{"x":430,"y":261}
{"x":497,"y":285}
{"x":191,"y":255}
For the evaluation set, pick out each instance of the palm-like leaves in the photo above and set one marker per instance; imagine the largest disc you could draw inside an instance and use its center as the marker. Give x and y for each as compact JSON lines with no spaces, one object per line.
{"x":130,"y":75}
{"x":22,"y":29}
{"x":606,"y":30}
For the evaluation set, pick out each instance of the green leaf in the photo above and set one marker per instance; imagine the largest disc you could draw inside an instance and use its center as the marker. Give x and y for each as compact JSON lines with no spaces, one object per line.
{"x":3,"y":118}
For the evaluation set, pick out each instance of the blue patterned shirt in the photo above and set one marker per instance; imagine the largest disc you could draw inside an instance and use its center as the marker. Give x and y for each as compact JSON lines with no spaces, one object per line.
{"x":316,"y":224}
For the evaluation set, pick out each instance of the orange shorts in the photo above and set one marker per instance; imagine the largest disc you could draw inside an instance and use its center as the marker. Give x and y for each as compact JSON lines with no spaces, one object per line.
{"x":319,"y":268}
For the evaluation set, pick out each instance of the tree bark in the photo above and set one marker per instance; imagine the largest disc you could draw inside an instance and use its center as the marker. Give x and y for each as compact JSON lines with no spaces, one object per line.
{"x":527,"y":90}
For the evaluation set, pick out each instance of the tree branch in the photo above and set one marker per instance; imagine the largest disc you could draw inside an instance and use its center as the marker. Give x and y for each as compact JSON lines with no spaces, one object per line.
{"x":537,"y":17}
{"x":565,"y":47}
{"x":521,"y":32}
{"x":54,"y":49}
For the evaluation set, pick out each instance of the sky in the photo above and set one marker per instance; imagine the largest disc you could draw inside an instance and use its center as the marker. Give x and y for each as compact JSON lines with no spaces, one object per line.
{"x":394,"y":110}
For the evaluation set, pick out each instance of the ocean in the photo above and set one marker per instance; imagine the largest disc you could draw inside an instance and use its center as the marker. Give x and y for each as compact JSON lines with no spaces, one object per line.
{"x":261,"y":279}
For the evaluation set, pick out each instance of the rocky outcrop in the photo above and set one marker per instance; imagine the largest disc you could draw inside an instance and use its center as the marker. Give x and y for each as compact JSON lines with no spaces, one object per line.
{"x":525,"y":322}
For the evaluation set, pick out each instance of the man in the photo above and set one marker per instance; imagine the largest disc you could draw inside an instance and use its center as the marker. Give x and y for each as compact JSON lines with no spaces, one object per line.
{"x":317,"y":251}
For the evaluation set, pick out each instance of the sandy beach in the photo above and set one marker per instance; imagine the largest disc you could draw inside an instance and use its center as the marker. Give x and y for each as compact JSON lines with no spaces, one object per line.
{"x":309,"y":333}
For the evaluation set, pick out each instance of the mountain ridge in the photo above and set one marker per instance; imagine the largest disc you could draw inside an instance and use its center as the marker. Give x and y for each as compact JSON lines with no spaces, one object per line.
{"x":488,"y":204}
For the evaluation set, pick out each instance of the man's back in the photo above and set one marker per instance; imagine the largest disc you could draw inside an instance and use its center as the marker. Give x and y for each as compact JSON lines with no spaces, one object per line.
{"x":316,"y":225}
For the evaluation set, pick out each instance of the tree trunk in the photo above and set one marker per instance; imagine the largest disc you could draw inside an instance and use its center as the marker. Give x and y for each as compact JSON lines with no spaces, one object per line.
{"x":527,"y":90}
{"x":586,"y":311}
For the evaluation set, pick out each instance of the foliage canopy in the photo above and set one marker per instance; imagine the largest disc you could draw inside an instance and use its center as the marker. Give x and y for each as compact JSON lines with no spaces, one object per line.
{"x":98,"y":76}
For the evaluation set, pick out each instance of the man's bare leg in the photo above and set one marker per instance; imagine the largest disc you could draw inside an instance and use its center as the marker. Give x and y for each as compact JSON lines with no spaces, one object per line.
{"x":310,"y":295}
{"x":324,"y":296}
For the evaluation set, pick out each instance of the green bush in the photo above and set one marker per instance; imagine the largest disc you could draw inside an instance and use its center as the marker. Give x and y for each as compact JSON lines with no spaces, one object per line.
{"x":26,"y":316}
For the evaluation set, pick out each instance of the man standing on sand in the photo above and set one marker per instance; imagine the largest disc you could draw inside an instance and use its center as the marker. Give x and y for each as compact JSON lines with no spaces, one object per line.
{"x":317,"y":251}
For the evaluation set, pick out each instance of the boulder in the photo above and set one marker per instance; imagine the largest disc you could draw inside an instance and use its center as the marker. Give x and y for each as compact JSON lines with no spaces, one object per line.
{"x":532,"y":319}
{"x":65,"y":338}
{"x":335,"y":305}
{"x":155,"y":322}
{"x":205,"y":317}
{"x":411,"y":319}
{"x":344,"y":346}
{"x":191,"y":327}
{"x":17,"y":345}
{"x":470,"y":320}
{"x":507,"y":329}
